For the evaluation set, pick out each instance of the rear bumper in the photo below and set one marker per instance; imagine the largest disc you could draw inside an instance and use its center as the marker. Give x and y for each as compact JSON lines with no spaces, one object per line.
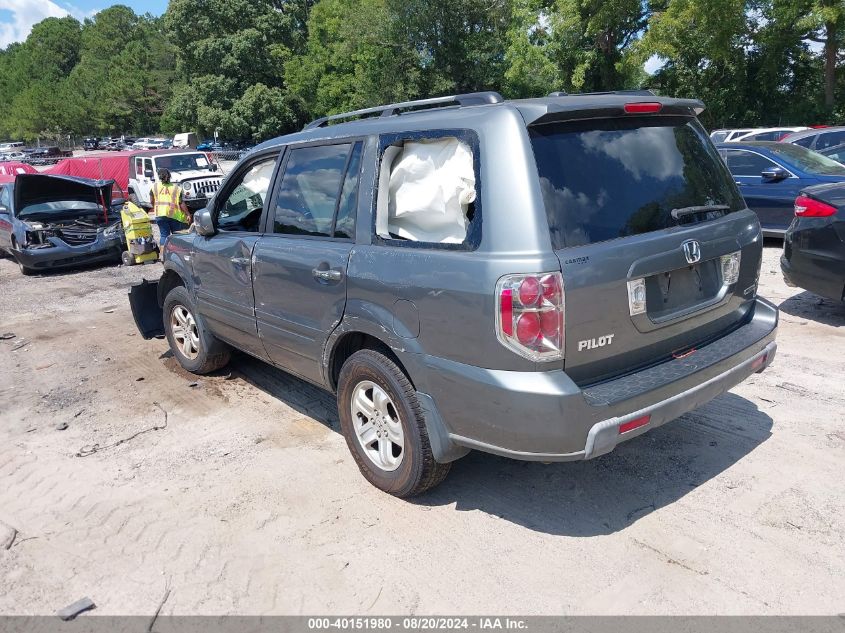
{"x":62,"y":255}
{"x":544,"y":416}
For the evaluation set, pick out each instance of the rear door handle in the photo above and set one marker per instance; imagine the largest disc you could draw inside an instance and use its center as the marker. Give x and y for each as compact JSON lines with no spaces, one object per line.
{"x":327,"y":275}
{"x":240,"y":261}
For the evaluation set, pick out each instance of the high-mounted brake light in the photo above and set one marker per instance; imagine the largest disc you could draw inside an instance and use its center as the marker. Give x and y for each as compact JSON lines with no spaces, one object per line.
{"x":808,"y":208}
{"x":643,"y":108}
{"x":529,"y":319}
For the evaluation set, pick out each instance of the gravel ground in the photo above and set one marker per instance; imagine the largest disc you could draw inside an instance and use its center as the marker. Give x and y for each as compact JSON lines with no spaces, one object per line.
{"x":237,"y":492}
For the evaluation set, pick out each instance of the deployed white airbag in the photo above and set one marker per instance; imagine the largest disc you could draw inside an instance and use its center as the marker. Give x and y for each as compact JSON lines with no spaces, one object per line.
{"x":430,"y":187}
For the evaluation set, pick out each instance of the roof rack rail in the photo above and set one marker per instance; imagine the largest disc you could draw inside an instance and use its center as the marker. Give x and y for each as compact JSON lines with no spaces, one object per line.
{"x":469,"y":99}
{"x":632,"y":93}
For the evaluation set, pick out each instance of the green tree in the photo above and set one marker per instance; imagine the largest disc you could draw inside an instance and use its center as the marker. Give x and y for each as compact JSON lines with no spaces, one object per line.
{"x":354,"y":57}
{"x":226,"y":49}
{"x":460,"y":44}
{"x":824,"y":21}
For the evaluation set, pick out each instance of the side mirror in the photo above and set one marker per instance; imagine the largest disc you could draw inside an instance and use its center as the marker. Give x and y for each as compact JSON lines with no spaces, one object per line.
{"x":204,"y":223}
{"x":775,"y":174}
{"x":148,"y":173}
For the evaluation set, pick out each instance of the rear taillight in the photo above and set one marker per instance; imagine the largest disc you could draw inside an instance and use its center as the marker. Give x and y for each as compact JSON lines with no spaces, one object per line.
{"x":530,"y":315}
{"x":808,"y":208}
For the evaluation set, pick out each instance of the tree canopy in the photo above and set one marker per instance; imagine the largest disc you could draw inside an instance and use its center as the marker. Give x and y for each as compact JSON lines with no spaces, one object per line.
{"x":252,"y":69}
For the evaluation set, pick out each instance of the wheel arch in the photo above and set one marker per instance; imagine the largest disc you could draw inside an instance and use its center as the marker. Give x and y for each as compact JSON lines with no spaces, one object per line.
{"x":349,"y":342}
{"x":345,"y":343}
{"x":170,"y":279}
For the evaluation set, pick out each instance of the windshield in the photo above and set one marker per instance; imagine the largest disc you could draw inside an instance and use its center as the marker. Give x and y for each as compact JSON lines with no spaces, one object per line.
{"x":603,"y":180}
{"x":808,"y":160}
{"x":183,"y":162}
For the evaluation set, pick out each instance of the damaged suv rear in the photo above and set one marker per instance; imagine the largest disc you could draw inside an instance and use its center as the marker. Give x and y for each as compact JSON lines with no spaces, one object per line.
{"x":49,"y":222}
{"x":541,"y":279}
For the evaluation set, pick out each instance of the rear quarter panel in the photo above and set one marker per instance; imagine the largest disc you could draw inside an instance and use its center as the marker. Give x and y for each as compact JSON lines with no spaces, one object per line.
{"x":452,"y":292}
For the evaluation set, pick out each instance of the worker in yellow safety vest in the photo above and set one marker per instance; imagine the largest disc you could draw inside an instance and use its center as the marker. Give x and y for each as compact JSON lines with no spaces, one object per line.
{"x":172,"y":214}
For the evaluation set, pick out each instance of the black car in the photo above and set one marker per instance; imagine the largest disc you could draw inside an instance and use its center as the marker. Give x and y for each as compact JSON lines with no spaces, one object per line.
{"x":46,"y":155}
{"x":814,"y":245}
{"x":91,"y":144}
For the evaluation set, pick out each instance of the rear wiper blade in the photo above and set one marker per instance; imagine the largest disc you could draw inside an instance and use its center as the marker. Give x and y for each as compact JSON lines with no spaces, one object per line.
{"x":707,"y":208}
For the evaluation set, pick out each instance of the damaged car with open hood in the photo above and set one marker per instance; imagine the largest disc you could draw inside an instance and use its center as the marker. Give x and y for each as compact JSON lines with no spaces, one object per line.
{"x":49,"y":222}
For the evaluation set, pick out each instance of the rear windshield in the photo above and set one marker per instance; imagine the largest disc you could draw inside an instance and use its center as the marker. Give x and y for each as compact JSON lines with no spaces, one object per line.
{"x":807,"y":160}
{"x":607,"y":179}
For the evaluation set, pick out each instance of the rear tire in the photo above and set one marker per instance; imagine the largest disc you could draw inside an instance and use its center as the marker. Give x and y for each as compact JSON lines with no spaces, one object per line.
{"x":384,"y":427}
{"x":196,"y":349}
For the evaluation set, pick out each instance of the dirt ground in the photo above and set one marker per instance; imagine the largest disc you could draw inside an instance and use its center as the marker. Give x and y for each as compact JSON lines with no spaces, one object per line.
{"x":248,"y":502}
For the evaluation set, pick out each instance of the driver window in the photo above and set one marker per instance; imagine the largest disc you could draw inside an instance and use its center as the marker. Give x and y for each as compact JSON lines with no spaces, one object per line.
{"x":5,"y":198}
{"x":242,"y":209}
{"x":309,"y":191}
{"x":748,"y":164}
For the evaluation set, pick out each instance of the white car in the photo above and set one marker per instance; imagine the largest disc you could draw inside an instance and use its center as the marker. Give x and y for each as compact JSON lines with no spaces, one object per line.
{"x":766,"y":134}
{"x":6,"y":148}
{"x":12,"y":156}
{"x":193,"y":171}
{"x":725,"y":136}
{"x":147,"y":143}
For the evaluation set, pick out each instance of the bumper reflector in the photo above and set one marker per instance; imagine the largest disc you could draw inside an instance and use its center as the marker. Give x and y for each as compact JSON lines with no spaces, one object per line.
{"x":758,"y":363}
{"x":625,"y":427}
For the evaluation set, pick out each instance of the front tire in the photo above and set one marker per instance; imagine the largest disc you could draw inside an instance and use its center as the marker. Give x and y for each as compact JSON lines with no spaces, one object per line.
{"x":196,"y":349}
{"x":384,"y":427}
{"x":25,"y":270}
{"x":127,"y":258}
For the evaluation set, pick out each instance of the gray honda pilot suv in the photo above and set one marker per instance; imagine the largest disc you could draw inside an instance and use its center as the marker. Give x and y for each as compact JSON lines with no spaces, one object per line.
{"x":540,"y":279}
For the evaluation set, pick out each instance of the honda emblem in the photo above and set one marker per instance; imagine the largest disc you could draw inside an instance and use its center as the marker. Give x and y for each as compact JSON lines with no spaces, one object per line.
{"x":692,"y":251}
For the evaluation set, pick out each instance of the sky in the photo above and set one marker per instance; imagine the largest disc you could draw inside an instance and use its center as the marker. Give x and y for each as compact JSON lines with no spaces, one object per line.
{"x":18,"y":16}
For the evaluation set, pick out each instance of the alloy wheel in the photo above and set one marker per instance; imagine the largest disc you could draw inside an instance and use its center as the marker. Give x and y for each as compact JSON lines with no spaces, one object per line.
{"x":185,"y":332}
{"x":377,"y":426}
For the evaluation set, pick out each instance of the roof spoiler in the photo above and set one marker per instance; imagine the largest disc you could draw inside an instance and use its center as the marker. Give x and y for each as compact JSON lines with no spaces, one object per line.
{"x":576,"y":109}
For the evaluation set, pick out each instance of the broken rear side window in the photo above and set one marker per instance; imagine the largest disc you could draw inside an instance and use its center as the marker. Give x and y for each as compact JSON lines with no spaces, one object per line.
{"x":428,"y":191}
